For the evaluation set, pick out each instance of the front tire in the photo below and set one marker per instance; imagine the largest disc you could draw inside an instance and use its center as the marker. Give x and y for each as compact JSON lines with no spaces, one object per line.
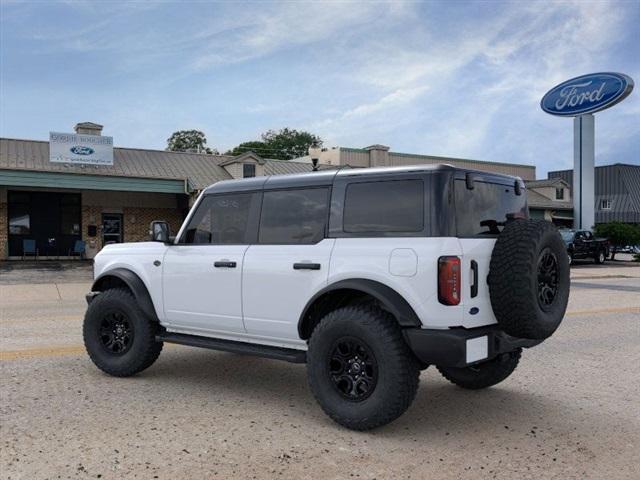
{"x":360,"y":369}
{"x":483,"y":375}
{"x":118,"y":336}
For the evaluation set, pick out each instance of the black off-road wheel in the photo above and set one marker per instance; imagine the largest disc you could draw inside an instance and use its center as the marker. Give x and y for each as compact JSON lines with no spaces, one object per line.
{"x":600,"y":257}
{"x":360,"y":369}
{"x":485,"y":374}
{"x":529,"y":279}
{"x":118,"y":336}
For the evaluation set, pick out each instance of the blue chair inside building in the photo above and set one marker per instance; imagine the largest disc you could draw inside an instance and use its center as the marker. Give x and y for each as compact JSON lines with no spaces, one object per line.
{"x":79,"y":248}
{"x":29,"y":248}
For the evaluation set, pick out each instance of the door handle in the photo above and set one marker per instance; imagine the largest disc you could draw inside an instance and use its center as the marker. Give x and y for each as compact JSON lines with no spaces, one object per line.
{"x":306,"y":266}
{"x":474,"y":271}
{"x":224,"y":264}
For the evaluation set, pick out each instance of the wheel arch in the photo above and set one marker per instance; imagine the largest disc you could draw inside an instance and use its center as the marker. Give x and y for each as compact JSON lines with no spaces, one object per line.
{"x":352,"y":291}
{"x":122,"y":277}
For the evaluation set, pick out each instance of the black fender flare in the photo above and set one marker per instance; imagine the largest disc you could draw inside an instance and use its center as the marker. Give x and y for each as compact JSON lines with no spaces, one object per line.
{"x":388,"y":297}
{"x":135,"y":284}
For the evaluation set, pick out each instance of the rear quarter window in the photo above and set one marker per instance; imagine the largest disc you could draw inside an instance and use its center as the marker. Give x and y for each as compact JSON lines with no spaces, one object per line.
{"x":485,"y":209}
{"x":392,"y":206}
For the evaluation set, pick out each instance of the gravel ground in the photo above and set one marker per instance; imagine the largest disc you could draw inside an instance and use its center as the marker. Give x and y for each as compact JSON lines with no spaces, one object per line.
{"x":569,"y":411}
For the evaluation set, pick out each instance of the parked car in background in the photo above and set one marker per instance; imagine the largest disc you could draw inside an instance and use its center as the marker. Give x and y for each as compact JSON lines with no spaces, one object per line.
{"x":629,"y":249}
{"x":581,"y":244}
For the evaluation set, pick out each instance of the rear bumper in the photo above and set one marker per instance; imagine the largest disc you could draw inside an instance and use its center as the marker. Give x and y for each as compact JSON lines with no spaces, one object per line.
{"x":460,"y":347}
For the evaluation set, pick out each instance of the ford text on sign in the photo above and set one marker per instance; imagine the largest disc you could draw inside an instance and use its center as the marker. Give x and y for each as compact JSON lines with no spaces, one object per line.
{"x":85,"y":149}
{"x":587,"y":94}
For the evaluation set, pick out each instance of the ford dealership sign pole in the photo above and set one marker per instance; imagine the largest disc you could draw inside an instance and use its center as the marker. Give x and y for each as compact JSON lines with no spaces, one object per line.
{"x":580,"y":97}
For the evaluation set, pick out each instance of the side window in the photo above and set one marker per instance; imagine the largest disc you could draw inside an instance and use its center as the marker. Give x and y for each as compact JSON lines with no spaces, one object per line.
{"x":296,"y":216}
{"x":384,"y":206}
{"x":221,"y":219}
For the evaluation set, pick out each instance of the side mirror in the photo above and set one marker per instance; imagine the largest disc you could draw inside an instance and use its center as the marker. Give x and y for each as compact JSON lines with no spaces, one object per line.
{"x":159,"y":231}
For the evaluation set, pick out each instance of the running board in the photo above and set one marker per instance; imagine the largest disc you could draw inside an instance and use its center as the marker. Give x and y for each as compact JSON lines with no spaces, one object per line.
{"x":276,"y":353}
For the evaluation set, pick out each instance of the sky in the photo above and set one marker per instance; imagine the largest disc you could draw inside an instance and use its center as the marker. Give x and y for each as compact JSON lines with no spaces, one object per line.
{"x":447,"y":78}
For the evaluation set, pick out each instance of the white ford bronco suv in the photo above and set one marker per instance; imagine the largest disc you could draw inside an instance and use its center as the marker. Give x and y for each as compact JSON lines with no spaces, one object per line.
{"x":366,"y":275}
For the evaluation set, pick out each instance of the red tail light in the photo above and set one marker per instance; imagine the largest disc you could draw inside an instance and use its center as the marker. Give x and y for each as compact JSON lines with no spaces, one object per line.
{"x":449,"y":280}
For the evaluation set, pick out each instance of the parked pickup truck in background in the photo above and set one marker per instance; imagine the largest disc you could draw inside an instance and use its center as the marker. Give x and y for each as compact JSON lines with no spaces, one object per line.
{"x":582,"y":244}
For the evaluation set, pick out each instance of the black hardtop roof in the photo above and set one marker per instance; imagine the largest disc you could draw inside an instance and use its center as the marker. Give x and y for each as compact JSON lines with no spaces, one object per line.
{"x":327,"y":177}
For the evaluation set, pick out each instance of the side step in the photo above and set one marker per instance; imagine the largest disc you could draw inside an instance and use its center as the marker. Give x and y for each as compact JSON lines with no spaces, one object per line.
{"x":276,"y":353}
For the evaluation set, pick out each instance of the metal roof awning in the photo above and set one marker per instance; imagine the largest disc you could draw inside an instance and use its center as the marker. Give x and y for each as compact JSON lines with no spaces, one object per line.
{"x":31,"y":178}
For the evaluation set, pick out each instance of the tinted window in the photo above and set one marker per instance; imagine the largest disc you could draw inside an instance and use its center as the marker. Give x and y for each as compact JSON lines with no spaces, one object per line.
{"x":294,"y":216}
{"x":388,"y":206}
{"x":485,"y":209}
{"x":221,"y":219}
{"x":19,"y":213}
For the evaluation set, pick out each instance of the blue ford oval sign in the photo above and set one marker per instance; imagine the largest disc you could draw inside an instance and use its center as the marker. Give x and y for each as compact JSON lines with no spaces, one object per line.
{"x":587,"y":94}
{"x":80,"y":150}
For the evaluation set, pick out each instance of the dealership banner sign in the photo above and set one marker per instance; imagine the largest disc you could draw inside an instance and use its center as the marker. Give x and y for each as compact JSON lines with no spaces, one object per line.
{"x":80,"y":149}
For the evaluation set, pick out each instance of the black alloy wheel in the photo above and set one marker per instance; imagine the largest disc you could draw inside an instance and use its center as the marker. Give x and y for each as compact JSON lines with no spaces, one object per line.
{"x":353,"y":369}
{"x":547,"y":278}
{"x":116,"y":333}
{"x":119,"y":337}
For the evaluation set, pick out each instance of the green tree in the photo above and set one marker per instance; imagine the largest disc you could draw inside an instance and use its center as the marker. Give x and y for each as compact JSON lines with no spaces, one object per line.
{"x":289,"y":144}
{"x":283,"y":144}
{"x":619,"y":234}
{"x":257,"y":147}
{"x":188,"y":141}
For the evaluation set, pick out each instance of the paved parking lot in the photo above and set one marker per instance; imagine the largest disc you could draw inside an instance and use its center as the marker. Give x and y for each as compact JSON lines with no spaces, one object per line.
{"x":570,"y":410}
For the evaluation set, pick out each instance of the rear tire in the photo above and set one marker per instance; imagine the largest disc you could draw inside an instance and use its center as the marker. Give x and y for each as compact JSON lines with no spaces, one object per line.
{"x":483,"y":375}
{"x":600,"y":257}
{"x":119,"y":337}
{"x":360,"y":369}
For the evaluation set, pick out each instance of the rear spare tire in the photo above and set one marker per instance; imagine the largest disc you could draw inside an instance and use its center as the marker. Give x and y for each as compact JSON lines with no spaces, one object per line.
{"x":529,"y":279}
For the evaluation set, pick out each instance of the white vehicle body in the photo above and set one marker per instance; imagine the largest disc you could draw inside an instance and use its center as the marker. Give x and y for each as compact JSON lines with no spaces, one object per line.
{"x":262,"y":297}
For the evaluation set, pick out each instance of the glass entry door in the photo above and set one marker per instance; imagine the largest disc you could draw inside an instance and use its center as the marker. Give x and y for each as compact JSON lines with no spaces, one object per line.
{"x":111,"y":228}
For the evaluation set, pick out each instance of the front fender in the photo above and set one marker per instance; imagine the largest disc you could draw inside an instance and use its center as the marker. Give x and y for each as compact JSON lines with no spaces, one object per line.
{"x":133,"y":282}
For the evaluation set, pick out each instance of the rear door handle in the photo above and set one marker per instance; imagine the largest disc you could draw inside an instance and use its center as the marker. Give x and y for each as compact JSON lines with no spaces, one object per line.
{"x":306,"y":266}
{"x":224,"y":264}
{"x":474,"y":272}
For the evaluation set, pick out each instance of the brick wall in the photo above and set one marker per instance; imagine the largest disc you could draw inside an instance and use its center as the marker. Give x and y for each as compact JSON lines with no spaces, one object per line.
{"x":135,"y":223}
{"x":137,"y":220}
{"x":4,"y":242}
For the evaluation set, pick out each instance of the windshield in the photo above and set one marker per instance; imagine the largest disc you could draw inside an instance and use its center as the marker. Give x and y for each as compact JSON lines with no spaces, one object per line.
{"x":567,"y":235}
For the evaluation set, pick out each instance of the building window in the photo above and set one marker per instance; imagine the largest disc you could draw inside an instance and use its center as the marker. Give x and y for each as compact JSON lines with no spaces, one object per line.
{"x":605,"y":204}
{"x":559,"y":193}
{"x":19,"y":213}
{"x":248,"y":170}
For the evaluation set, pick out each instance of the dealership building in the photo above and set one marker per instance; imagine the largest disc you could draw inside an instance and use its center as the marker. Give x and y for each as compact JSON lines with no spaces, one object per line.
{"x":76,"y":191}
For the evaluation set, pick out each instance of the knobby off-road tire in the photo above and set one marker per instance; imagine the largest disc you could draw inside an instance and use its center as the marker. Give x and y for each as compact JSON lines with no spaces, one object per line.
{"x":529,"y":279}
{"x":391,"y":372}
{"x":118,"y":336}
{"x":484,"y":374}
